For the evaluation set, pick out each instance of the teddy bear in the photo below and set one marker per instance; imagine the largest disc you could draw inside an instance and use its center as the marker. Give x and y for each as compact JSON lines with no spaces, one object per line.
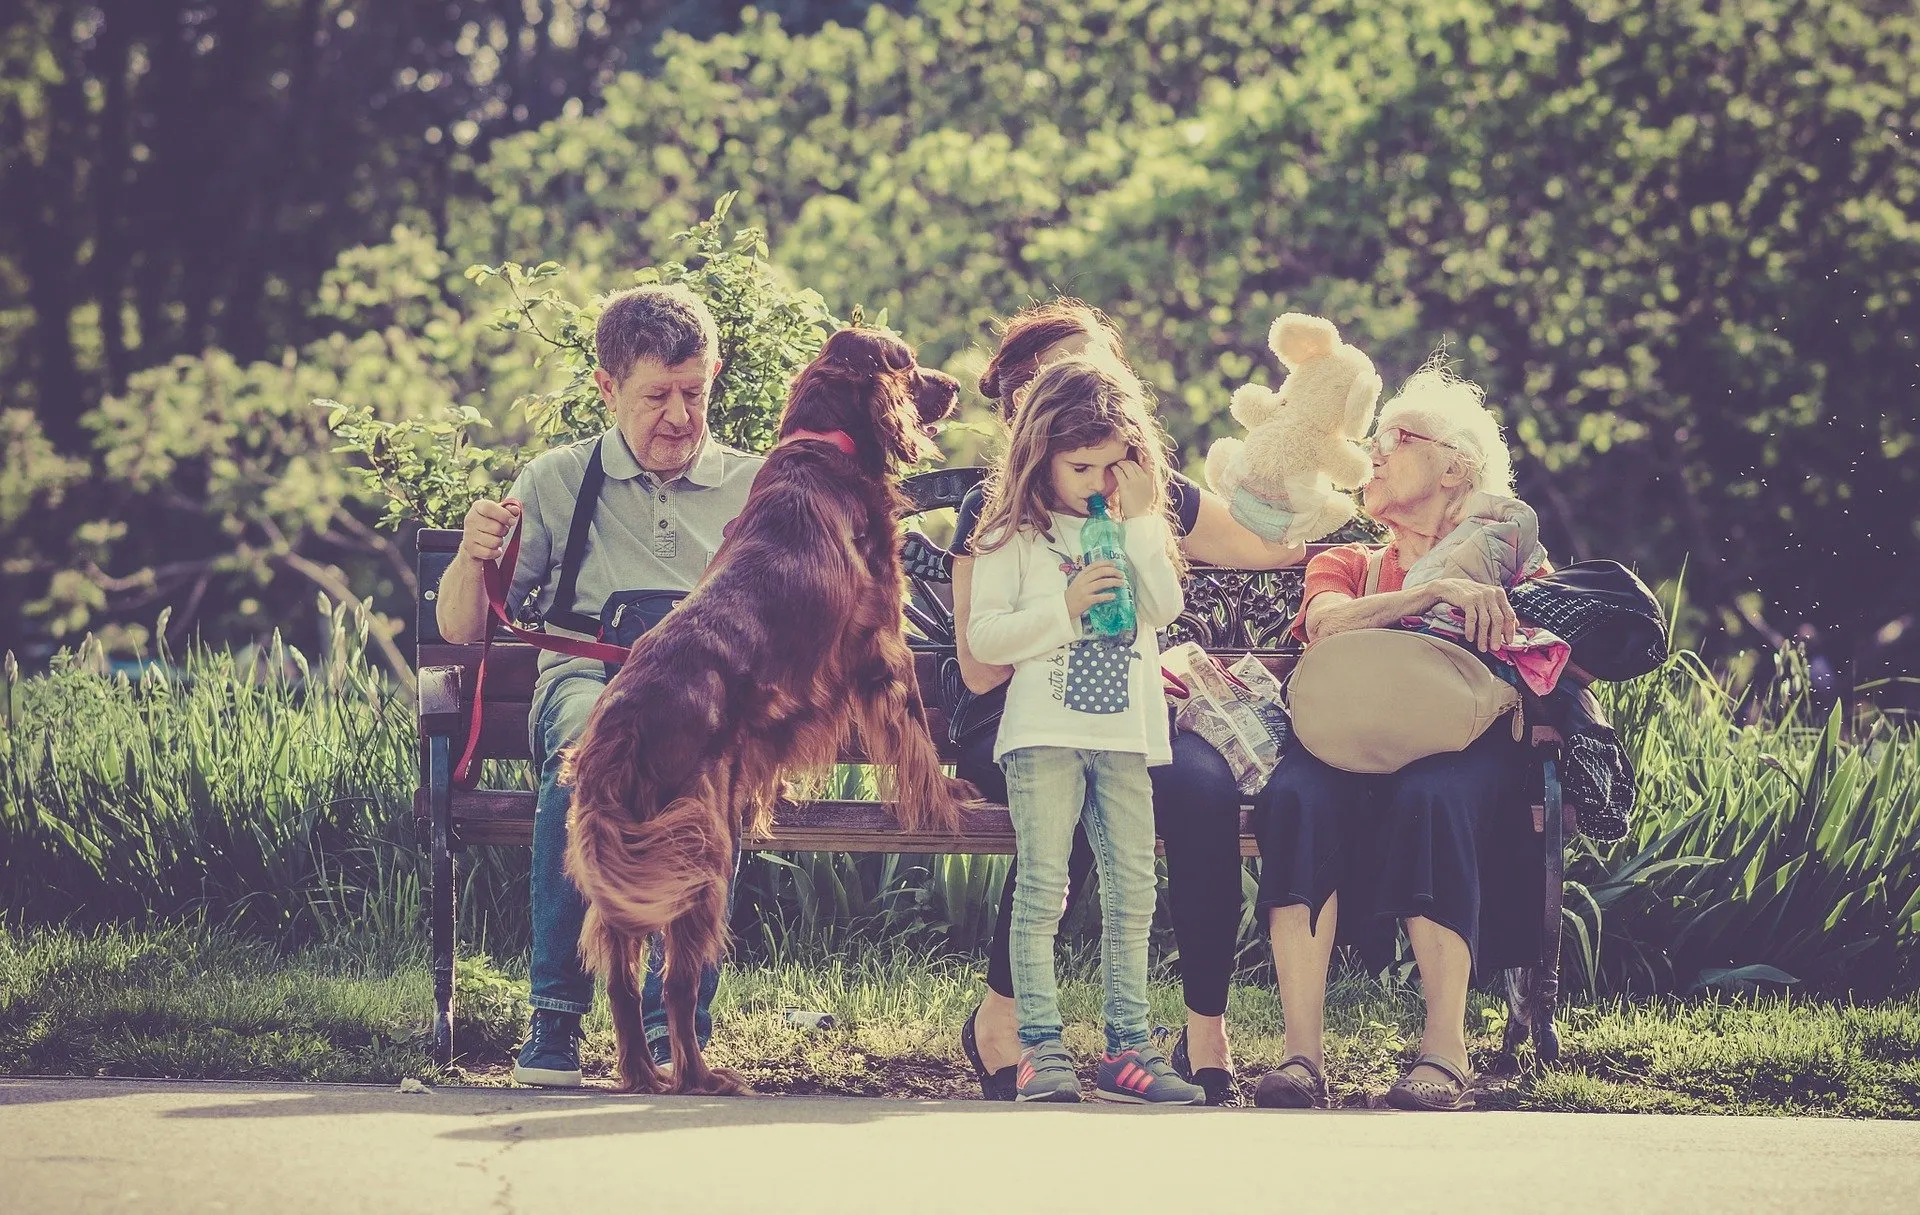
{"x":1304,"y":438}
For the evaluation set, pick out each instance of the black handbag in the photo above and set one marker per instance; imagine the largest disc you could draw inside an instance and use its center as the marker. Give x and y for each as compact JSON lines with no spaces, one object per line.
{"x":971,"y":713}
{"x":1602,"y":610}
{"x":627,"y":614}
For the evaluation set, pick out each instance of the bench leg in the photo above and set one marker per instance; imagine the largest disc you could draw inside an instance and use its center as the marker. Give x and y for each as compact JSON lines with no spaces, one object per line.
{"x":1517,"y":981}
{"x":440,"y":857}
{"x":1546,"y":978}
{"x":1533,"y":992}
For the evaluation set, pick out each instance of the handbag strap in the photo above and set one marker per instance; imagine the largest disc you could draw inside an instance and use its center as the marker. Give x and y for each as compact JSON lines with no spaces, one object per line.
{"x":1375,"y":559}
{"x":498,"y":577}
{"x":585,"y":504}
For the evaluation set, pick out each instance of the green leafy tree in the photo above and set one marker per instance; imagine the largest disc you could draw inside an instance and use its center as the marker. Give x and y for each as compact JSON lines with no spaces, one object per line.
{"x":222,"y":497}
{"x":183,"y":176}
{"x":1675,"y":241}
{"x":282,"y":486}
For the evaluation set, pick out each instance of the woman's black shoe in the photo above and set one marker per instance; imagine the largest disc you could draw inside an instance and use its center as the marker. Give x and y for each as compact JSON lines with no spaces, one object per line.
{"x":994,"y":1086}
{"x":1220,"y":1086}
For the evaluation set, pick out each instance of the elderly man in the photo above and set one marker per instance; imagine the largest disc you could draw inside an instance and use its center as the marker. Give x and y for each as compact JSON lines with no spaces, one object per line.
{"x":627,"y":519}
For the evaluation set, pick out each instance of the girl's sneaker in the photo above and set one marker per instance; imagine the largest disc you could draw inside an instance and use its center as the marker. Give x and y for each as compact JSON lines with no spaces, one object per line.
{"x":1046,"y":1074}
{"x":1143,"y":1076}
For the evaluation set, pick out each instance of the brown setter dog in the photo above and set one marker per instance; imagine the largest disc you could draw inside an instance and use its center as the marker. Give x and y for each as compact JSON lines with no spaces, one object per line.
{"x":792,"y":640}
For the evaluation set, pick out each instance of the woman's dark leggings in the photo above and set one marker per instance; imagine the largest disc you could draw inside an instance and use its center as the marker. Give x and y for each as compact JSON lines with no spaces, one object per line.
{"x":1196,"y":811}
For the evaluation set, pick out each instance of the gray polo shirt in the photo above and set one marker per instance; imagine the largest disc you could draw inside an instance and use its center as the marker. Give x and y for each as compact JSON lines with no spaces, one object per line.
{"x":645,"y":536}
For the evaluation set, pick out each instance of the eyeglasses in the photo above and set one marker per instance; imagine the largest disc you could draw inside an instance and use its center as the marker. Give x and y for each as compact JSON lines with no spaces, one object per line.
{"x":1388,"y":441}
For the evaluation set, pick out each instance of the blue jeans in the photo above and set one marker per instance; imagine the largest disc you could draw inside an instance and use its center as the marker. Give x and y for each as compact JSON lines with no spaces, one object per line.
{"x":559,"y":981}
{"x":1049,"y":791}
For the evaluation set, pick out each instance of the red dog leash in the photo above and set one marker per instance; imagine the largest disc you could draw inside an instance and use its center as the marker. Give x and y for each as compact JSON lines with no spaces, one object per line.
{"x":498,"y":577}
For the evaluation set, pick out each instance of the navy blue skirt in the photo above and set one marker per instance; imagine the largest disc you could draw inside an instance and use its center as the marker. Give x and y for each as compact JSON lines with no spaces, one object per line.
{"x":1449,"y":838}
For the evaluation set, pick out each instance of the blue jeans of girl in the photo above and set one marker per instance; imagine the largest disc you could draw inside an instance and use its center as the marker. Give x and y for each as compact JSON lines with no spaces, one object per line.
{"x":1050,"y":790}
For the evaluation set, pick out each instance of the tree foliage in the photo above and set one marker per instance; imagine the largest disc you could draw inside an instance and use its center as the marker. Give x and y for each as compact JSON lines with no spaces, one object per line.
{"x":1676,"y":241}
{"x":429,"y":469}
{"x":182,"y":176}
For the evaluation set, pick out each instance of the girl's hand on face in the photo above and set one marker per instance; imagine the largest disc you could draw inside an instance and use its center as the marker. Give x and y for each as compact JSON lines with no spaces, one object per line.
{"x":1092,"y":585}
{"x":1132,"y":489}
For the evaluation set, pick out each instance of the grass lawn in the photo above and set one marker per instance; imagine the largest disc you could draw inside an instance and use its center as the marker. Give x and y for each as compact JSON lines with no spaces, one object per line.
{"x":186,"y":1002}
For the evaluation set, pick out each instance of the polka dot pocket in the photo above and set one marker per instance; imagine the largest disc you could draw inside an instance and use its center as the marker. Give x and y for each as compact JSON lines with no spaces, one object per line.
{"x":1099,"y":677}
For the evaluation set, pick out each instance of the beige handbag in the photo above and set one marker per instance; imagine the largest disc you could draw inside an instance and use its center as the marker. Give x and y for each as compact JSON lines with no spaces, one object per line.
{"x":1375,"y":700}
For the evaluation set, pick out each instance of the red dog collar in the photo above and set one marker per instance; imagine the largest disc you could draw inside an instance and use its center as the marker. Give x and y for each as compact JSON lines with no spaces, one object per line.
{"x":839,"y":438}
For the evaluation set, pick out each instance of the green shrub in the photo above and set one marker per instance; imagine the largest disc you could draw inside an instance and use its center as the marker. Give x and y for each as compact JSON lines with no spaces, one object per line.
{"x":1782,"y":844}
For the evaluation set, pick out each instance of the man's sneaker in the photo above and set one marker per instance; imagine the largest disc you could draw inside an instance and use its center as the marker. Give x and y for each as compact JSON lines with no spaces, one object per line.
{"x":1144,"y":1077}
{"x":551,"y":1056}
{"x":1046,"y":1074}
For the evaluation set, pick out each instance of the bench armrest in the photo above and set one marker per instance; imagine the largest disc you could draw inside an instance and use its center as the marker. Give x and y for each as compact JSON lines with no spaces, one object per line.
{"x":439,"y":701}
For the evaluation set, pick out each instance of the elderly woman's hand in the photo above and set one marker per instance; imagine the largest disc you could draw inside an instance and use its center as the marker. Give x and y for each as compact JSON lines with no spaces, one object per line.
{"x":1488,"y":615}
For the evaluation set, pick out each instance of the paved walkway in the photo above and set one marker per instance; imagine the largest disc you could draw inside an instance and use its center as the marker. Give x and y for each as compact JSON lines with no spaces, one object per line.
{"x":161,"y":1147}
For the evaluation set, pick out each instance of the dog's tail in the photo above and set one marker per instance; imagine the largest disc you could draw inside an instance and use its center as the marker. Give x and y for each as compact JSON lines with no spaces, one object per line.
{"x":639,"y":865}
{"x":641,"y":876}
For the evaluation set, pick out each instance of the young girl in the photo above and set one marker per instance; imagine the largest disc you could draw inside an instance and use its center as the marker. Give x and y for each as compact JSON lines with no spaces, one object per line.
{"x":1084,"y":717}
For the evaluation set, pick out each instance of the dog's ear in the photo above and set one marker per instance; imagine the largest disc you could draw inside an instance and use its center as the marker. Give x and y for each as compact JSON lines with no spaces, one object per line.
{"x":829,"y":393}
{"x":896,"y":417}
{"x":891,"y":385}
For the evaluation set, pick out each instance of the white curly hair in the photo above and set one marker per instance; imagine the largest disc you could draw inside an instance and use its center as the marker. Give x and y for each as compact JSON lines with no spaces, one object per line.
{"x":1454,"y":412}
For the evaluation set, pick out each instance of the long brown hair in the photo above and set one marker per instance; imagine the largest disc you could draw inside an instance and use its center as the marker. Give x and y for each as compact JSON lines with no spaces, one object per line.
{"x":1072,"y":403}
{"x":1030,"y":331}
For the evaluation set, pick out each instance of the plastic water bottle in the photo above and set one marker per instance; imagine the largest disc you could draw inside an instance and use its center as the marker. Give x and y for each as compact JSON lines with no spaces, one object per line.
{"x":1101,"y":540}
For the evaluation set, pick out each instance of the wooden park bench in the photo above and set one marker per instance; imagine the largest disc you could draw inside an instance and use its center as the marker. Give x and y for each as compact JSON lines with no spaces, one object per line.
{"x":1228,"y":612}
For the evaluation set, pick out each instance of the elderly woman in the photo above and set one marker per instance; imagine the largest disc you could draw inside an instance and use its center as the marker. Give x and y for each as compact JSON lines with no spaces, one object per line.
{"x":1443,"y":846}
{"x":1196,"y":805}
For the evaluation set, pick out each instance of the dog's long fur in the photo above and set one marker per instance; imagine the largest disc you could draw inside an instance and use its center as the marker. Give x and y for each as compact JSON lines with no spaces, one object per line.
{"x":792,"y":639}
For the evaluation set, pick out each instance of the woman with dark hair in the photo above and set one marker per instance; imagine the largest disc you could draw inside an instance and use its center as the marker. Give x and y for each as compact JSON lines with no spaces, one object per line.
{"x":1195,"y":800}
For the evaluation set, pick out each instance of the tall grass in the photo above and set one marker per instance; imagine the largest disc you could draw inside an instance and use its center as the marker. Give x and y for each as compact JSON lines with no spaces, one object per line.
{"x":262,"y":791}
{"x":272,"y":794}
{"x":1785,"y":848}
{"x":239,"y":789}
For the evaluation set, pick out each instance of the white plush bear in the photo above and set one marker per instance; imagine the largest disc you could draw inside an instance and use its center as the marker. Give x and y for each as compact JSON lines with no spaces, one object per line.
{"x":1303,"y":439}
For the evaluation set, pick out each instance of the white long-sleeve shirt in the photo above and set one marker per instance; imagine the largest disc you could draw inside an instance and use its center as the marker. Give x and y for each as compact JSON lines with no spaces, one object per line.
{"x":1020,"y":619}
